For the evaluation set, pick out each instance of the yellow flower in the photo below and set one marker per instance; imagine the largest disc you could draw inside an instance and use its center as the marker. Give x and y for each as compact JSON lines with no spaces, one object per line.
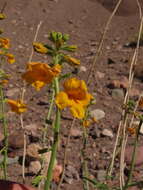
{"x":2,"y":16}
{"x":17,"y":106}
{"x":4,"y":43}
{"x":10,"y":58}
{"x":40,"y":74}
{"x":3,"y":82}
{"x":39,"y":47}
{"x":72,"y":60}
{"x":87,"y":123}
{"x":75,"y":96}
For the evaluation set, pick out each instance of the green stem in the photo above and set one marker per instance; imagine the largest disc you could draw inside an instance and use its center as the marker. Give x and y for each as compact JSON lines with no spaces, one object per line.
{"x":85,"y":167}
{"x":4,"y":131}
{"x":48,"y":116}
{"x":55,"y":143}
{"x":133,"y":157}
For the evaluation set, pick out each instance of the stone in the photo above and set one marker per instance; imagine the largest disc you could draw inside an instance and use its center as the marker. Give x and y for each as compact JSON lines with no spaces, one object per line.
{"x":70,"y":174}
{"x":32,"y":150}
{"x":100,"y":75}
{"x":76,"y":132}
{"x":82,"y":69}
{"x":68,"y":180}
{"x":97,"y":114}
{"x":118,"y":93}
{"x":10,"y":160}
{"x":139,"y":155}
{"x":16,"y":140}
{"x":32,"y":131}
{"x":122,"y":83}
{"x":107,"y":133}
{"x":12,"y":92}
{"x":71,"y":171}
{"x":101,"y":175}
{"x":34,"y":167}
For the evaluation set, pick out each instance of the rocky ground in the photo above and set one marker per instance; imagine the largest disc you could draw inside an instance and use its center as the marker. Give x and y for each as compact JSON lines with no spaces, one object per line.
{"x":85,"y":21}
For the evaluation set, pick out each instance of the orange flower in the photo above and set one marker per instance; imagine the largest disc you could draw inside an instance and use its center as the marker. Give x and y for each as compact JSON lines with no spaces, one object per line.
{"x":17,"y":106}
{"x":132,"y":130}
{"x":87,"y":123}
{"x":4,"y":43}
{"x":75,"y":96}
{"x":10,"y":58}
{"x":3,"y":82}
{"x":40,"y":74}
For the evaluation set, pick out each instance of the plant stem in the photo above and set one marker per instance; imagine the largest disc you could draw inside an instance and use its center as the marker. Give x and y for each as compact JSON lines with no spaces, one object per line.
{"x":65,"y":155}
{"x":48,"y":116}
{"x":55,"y":143}
{"x":4,"y":131}
{"x":85,"y":167}
{"x":133,"y":157}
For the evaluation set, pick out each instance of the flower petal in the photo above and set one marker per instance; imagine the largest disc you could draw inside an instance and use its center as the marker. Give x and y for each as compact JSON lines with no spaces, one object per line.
{"x":17,"y":106}
{"x":38,"y":85}
{"x":40,"y":74}
{"x":72,"y":60}
{"x":85,"y":102}
{"x":10,"y":58}
{"x":77,"y":111}
{"x":62,"y":100}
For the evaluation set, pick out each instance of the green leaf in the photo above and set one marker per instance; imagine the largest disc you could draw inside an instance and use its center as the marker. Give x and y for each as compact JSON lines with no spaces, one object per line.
{"x":65,"y":76}
{"x":66,"y":37}
{"x":37,"y":180}
{"x":70,"y":48}
{"x":98,"y":185}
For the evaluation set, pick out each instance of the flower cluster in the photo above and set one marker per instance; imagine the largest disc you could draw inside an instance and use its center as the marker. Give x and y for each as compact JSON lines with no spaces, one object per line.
{"x":75,"y":95}
{"x":4,"y":47}
{"x":5,"y":56}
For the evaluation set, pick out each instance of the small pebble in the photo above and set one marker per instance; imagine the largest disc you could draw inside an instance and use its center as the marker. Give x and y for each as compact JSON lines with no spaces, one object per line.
{"x":139,"y":155}
{"x":101,"y":175}
{"x":97,"y":114}
{"x":107,"y":133}
{"x":34,"y":167}
{"x":76,"y":132}
{"x":12,"y":92}
{"x":32,"y":150}
{"x":118,"y":93}
{"x":82,"y":69}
